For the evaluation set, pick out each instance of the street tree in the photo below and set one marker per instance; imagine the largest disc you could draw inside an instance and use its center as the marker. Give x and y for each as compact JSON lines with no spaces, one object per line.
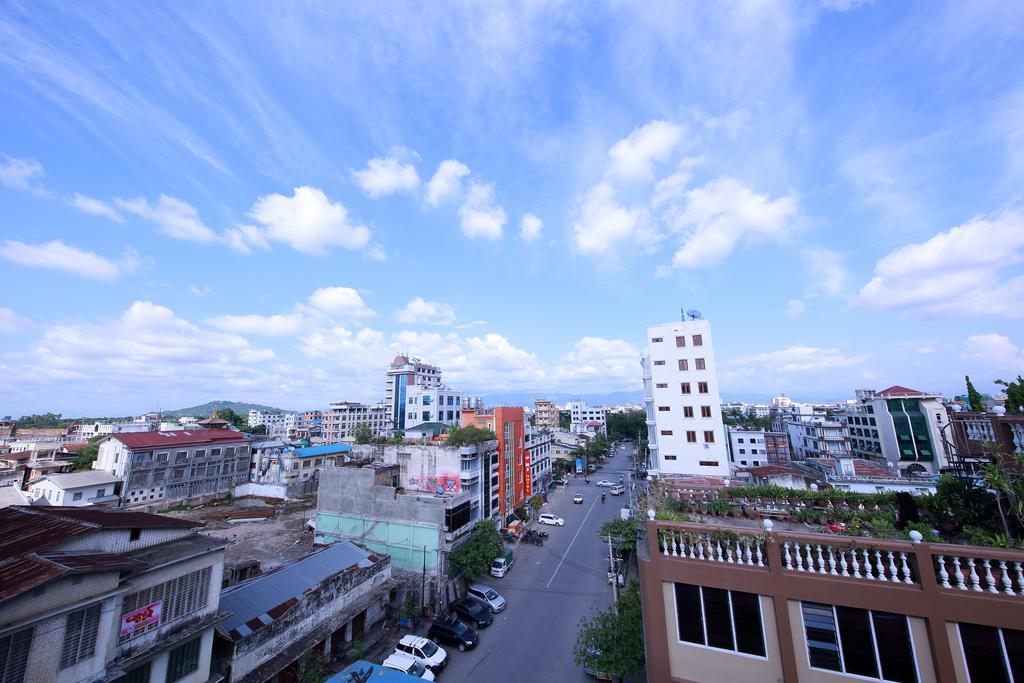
{"x":613,"y":641}
{"x":974,"y":397}
{"x":1014,"y":395}
{"x":476,"y":554}
{"x":363,"y":433}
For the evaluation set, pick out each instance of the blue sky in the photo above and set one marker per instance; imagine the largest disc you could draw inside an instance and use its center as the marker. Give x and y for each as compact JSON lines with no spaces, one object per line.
{"x":265,"y":202}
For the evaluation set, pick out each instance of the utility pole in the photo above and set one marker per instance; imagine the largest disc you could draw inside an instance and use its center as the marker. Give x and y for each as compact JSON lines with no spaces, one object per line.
{"x":614,"y":577}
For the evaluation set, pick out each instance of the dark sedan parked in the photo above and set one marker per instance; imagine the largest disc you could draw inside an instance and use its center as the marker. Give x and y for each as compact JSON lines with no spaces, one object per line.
{"x":473,"y":611}
{"x":451,"y":631}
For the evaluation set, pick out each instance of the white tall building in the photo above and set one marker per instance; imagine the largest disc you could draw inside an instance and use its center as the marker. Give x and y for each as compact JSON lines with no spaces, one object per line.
{"x":403,"y":373}
{"x":684,"y":409}
{"x":900,"y":425}
{"x":432,"y":404}
{"x":277,"y":423}
{"x":587,"y":418}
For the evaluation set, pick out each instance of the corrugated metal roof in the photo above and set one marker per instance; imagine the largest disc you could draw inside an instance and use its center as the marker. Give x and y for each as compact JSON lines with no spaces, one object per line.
{"x":115,"y":519}
{"x":180,"y":437}
{"x":25,"y":572}
{"x":71,"y":480}
{"x":259,"y":601}
{"x":328,"y":449}
{"x":23,"y":530}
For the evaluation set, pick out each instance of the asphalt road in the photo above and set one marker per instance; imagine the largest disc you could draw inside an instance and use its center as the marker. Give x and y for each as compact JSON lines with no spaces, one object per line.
{"x":548,"y":590}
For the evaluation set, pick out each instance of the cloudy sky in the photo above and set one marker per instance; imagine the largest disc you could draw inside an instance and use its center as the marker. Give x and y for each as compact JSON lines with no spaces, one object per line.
{"x":263,"y":202}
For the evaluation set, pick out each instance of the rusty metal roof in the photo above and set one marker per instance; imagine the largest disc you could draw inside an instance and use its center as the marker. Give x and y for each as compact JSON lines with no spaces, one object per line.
{"x":23,"y":531}
{"x":110,"y":518}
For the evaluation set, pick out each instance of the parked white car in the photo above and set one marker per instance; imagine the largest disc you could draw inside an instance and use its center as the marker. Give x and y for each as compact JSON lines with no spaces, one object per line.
{"x":553,"y":520}
{"x":424,"y":651}
{"x":407,"y":665}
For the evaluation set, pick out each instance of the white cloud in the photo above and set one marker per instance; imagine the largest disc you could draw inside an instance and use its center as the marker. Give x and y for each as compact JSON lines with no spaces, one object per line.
{"x":22,"y":174}
{"x":472,"y":323}
{"x":245,"y":238}
{"x":174,"y":217}
{"x":529,"y":227}
{"x":634,"y":157}
{"x":281,"y":325}
{"x":602,"y":222}
{"x":600,"y":364}
{"x":340,"y":302}
{"x":826,"y":268}
{"x":57,"y":255}
{"x":10,"y":322}
{"x":308,"y":221}
{"x":446,"y":184}
{"x":956,"y":272}
{"x":375,"y":252}
{"x":671,"y":188}
{"x":795,"y":308}
{"x":196,"y":290}
{"x":386,"y":175}
{"x":478,"y":215}
{"x":792,"y":359}
{"x":490,"y":362}
{"x":96,"y":207}
{"x":994,"y":351}
{"x":723,"y":214}
{"x":421,"y":312}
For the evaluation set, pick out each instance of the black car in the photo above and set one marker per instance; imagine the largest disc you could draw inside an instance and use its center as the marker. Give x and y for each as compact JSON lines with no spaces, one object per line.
{"x":473,"y":611}
{"x":451,"y":631}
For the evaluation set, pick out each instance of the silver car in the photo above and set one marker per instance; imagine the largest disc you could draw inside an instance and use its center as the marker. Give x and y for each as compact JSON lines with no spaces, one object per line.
{"x":487,"y":595}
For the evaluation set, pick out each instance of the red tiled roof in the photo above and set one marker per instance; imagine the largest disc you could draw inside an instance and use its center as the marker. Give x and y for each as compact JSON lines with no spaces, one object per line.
{"x":897,"y":390}
{"x":773,"y":471}
{"x":866,"y":468}
{"x":182,"y":437}
{"x":75,"y":446}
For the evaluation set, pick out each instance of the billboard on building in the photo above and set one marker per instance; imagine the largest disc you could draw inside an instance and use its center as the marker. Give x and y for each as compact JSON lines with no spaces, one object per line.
{"x":141,"y":618}
{"x":579,"y":465}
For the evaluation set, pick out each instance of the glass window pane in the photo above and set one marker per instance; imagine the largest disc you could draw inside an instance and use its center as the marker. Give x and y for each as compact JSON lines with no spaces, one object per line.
{"x":1014,"y":646}
{"x":820,"y":629}
{"x":718,"y":618}
{"x":983,"y":654}
{"x":746,"y":615}
{"x":691,"y":623}
{"x":855,"y":633}
{"x":892,"y":635}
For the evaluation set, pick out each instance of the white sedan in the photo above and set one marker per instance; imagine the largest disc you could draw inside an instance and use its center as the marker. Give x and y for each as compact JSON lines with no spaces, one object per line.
{"x":605,"y":482}
{"x":578,"y":498}
{"x":548,"y":518}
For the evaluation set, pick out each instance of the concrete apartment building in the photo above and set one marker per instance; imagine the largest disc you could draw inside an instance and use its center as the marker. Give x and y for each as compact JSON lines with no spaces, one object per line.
{"x":418,"y":530}
{"x":283,"y":470}
{"x":900,"y":426}
{"x":405,"y":372}
{"x":427,"y":404}
{"x":342,"y":417}
{"x":818,"y":437}
{"x":278,"y":424}
{"x":731,"y":603}
{"x":747,"y":447}
{"x":538,"y":454}
{"x":93,"y":594}
{"x":685,"y":431}
{"x":545,"y":414}
{"x":321,"y":603}
{"x":159,"y":467}
{"x":587,"y":419}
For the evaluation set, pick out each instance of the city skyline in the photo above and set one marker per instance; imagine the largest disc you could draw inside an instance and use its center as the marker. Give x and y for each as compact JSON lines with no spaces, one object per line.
{"x":230,"y":202}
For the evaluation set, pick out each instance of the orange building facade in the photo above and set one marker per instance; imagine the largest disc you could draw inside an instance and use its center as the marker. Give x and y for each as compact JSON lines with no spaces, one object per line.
{"x":514,"y":486}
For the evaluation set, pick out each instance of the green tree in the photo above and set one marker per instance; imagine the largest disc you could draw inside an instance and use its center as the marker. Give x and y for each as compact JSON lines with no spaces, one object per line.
{"x":475,"y":555}
{"x":623,"y":531}
{"x":469,"y":436}
{"x":311,"y":668}
{"x":564,"y":419}
{"x":1014,"y":395}
{"x":43,"y":421}
{"x":363,"y":433}
{"x":258,"y":430}
{"x":234,"y":418}
{"x":397,"y":438}
{"x":629,"y":423}
{"x":614,"y":642}
{"x":84,"y":459}
{"x":973,"y":397}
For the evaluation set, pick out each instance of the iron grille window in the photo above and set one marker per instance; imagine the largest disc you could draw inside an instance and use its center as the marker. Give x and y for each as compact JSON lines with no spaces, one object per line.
{"x":80,"y":635}
{"x":860,"y":642}
{"x":14,"y":651}
{"x":183,"y":660}
{"x":721,"y":619}
{"x":179,"y":597}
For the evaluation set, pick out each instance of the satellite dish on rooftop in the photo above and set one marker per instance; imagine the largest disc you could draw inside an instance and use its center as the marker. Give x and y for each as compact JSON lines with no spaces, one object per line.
{"x":694,"y":314}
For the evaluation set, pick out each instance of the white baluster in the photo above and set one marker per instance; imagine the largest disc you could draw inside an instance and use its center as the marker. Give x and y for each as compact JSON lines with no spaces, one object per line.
{"x":799,"y":557}
{"x":905,"y":568}
{"x":892,"y":568}
{"x":990,"y":580}
{"x":943,"y":574}
{"x":880,"y":567}
{"x":1005,"y":574}
{"x":1020,"y":577}
{"x":854,"y":568}
{"x":959,"y":573}
{"x":663,"y":537}
{"x":787,"y":560}
{"x":675,"y":544}
{"x":747,"y":555}
{"x":728,"y":552}
{"x":975,"y":584}
{"x":718,"y":550}
{"x":689,"y":544}
{"x":869,"y":572}
{"x":832,"y":562}
{"x":821,"y":561}
{"x":760,"y":561}
{"x":700,"y":547}
{"x":842,"y":563}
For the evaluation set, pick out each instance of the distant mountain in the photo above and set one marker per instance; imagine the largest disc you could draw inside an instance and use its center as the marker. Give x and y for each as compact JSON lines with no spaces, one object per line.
{"x":209,"y":407}
{"x":520,"y":398}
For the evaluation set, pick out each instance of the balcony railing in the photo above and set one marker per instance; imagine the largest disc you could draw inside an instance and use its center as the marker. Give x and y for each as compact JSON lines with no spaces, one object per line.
{"x":950,"y":568}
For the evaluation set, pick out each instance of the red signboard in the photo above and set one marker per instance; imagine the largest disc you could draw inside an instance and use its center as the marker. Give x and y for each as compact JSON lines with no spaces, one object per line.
{"x":141,"y":618}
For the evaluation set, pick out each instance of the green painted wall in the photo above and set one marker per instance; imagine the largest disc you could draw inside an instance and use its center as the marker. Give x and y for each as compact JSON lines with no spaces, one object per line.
{"x":405,"y":542}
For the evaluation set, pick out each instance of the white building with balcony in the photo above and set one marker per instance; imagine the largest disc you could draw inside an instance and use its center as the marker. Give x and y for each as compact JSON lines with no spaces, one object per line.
{"x":584,"y":418}
{"x":94,"y":487}
{"x":340,"y":420}
{"x":278,"y":424}
{"x":685,"y":431}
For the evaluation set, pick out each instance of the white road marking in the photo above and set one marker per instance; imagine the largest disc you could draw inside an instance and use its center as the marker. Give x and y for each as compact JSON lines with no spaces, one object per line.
{"x":578,"y":530}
